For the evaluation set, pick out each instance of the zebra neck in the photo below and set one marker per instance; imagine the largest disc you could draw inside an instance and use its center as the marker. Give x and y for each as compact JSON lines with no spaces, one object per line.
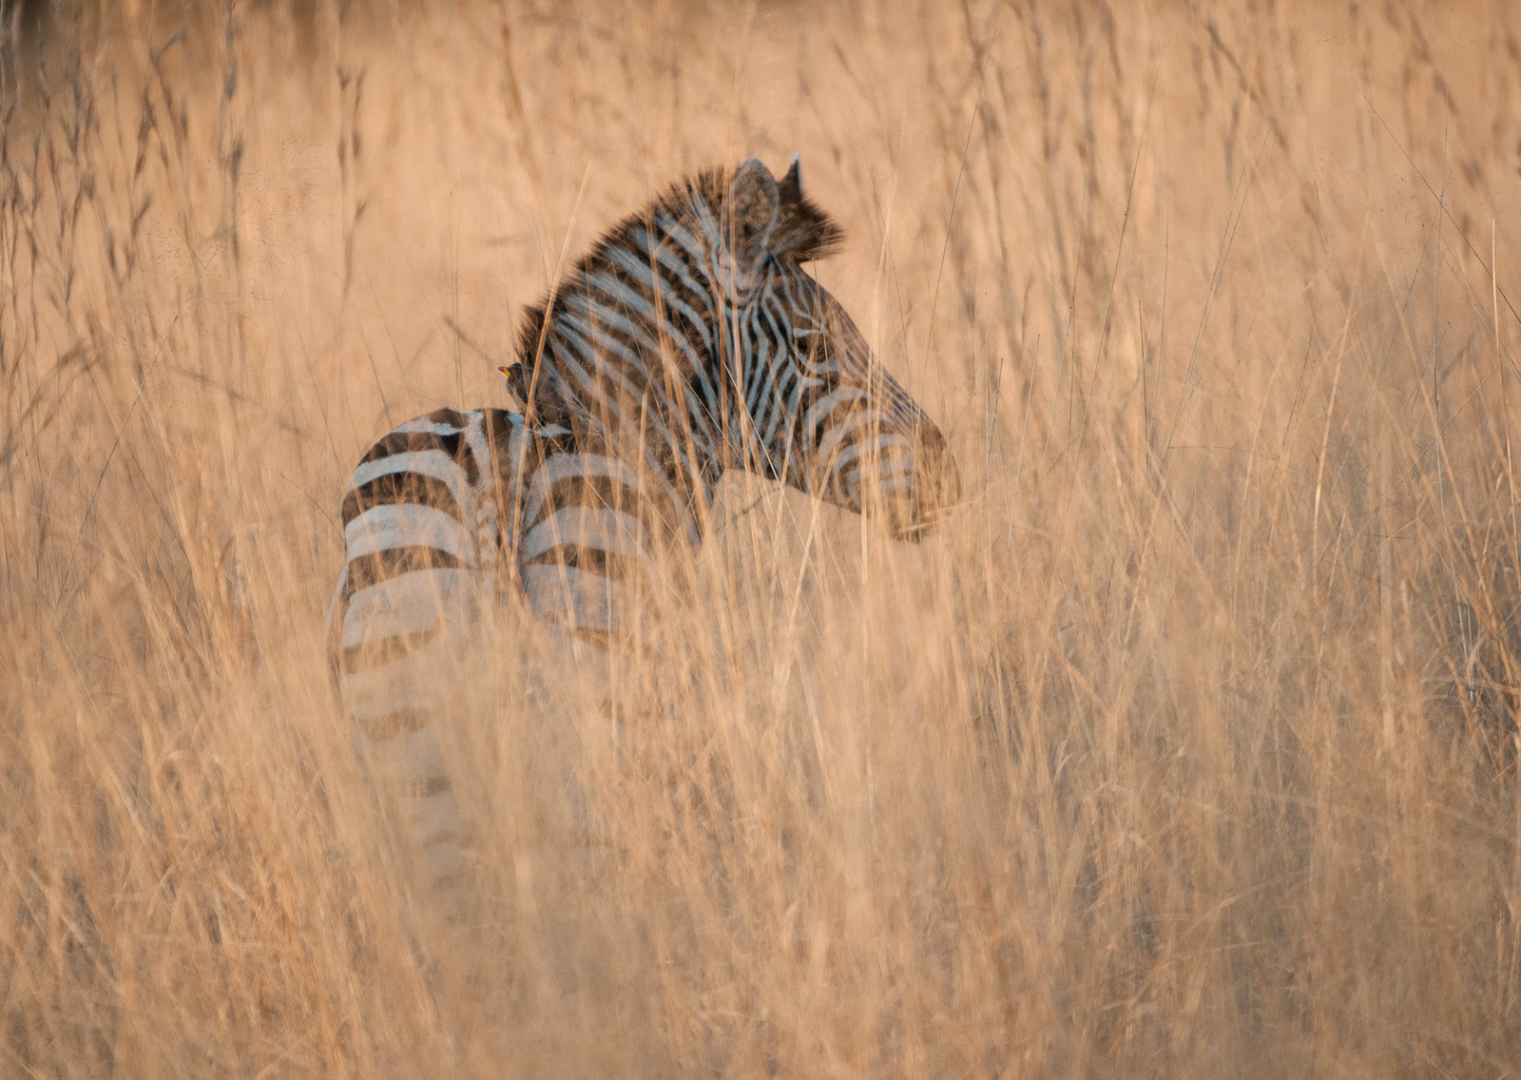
{"x":637,"y":342}
{"x":661,"y":415}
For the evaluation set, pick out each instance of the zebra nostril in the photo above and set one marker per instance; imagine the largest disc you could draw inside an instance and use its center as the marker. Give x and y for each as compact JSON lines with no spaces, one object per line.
{"x":936,"y":487}
{"x":938,"y":480}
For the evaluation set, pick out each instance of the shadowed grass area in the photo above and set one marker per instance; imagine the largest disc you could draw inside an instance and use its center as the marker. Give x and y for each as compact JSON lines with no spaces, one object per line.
{"x":1186,"y":748}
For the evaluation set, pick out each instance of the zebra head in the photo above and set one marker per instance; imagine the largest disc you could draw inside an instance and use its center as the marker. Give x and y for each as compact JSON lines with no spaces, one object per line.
{"x":819,"y":411}
{"x":694,"y":327}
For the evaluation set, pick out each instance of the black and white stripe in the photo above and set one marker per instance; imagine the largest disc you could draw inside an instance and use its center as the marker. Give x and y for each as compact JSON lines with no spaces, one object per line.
{"x":689,"y":341}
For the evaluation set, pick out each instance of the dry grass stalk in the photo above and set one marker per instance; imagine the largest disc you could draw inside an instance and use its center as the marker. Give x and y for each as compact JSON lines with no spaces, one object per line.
{"x":1188,"y":749}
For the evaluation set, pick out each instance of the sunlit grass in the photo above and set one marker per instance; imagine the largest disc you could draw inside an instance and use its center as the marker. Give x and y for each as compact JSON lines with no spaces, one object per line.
{"x":1186,"y":748}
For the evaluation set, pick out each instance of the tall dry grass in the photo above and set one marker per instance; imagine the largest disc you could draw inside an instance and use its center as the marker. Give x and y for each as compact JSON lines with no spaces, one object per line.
{"x":1187,"y":749}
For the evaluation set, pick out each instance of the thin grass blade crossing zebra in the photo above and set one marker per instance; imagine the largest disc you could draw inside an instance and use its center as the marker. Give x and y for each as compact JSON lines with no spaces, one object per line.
{"x":689,"y":341}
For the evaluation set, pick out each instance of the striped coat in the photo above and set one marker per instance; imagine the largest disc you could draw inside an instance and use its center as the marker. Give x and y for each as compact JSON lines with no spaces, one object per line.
{"x":689,"y":341}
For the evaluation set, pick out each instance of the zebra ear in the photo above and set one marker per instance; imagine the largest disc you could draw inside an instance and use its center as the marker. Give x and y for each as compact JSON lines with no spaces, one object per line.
{"x":750,"y":212}
{"x":803,"y":232}
{"x":790,"y":187}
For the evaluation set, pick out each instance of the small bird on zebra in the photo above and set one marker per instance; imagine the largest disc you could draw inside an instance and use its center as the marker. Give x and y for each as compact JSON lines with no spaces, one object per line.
{"x":690,"y":340}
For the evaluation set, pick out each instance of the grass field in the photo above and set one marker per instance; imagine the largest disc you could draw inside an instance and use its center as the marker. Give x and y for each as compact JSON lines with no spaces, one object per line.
{"x":1187,"y":748}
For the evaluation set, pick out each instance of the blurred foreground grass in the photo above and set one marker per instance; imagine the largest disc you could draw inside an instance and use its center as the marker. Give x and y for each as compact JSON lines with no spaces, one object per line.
{"x":1188,"y":749}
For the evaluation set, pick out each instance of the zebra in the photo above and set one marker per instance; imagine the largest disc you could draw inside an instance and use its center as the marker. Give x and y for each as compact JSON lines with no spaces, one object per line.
{"x":688,"y":341}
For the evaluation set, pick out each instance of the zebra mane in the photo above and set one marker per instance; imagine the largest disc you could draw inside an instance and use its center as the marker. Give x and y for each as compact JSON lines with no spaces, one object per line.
{"x":803,"y":233}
